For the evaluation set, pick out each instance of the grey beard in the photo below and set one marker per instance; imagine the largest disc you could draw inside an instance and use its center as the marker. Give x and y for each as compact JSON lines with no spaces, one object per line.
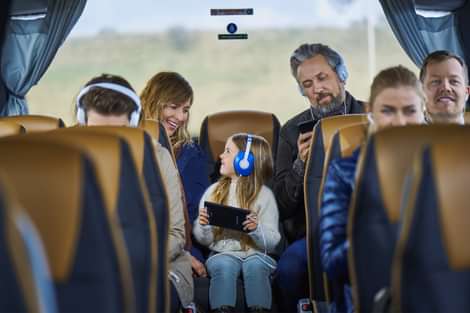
{"x":336,"y":107}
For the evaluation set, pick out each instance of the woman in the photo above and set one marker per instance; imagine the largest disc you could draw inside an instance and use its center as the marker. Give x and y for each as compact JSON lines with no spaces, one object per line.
{"x":396,"y":99}
{"x":168,"y":98}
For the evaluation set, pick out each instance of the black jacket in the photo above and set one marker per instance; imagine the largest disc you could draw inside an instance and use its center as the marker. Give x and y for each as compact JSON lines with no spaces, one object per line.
{"x":289,"y":179}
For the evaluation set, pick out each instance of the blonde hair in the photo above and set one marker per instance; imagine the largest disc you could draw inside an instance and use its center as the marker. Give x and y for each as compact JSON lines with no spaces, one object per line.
{"x":394,"y":77}
{"x":248,"y":187}
{"x":161,"y":90}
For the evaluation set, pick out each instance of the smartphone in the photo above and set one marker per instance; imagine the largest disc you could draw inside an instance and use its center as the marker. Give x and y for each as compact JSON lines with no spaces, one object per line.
{"x":306,"y":126}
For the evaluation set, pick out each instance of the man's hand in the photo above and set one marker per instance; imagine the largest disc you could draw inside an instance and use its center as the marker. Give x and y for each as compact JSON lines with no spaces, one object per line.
{"x":303,"y":145}
{"x":198,"y":268}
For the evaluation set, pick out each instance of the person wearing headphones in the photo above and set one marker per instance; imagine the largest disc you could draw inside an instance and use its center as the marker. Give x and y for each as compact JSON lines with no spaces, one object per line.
{"x":445,"y":80}
{"x":109,"y":100}
{"x":321,"y":75}
{"x":246,"y":165}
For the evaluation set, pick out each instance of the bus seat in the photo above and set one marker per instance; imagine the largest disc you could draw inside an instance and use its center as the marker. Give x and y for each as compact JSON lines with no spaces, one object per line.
{"x":143,"y":154}
{"x":36,"y":123}
{"x":157,"y":132}
{"x":57,"y":187}
{"x":376,"y":202}
{"x":123,"y":196}
{"x":25,"y":284}
{"x":321,"y":139}
{"x":217,"y":127}
{"x":431,"y":269}
{"x":9,"y":128}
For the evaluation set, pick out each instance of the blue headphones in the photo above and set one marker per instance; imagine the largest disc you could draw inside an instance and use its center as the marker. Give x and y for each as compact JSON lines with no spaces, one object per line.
{"x":244,"y":162}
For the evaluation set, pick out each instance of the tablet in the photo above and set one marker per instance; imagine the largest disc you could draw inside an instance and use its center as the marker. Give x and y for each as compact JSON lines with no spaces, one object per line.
{"x":226,"y":216}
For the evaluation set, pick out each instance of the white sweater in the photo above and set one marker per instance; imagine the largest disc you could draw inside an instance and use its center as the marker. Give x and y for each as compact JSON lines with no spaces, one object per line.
{"x":266,"y":236}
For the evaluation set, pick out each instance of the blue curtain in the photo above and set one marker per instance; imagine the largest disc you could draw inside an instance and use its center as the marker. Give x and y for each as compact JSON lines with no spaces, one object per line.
{"x":420,"y":35}
{"x":30,"y":47}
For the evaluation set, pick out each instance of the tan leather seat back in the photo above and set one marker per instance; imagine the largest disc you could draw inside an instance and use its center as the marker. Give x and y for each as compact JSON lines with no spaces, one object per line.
{"x":36,"y":123}
{"x":9,"y":128}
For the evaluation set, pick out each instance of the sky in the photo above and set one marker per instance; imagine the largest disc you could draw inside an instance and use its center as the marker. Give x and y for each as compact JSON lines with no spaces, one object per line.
{"x":159,"y":15}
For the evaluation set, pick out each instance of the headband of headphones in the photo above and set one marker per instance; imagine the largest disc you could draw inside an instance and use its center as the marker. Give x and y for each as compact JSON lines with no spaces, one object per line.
{"x":135,"y":115}
{"x":244,"y":161}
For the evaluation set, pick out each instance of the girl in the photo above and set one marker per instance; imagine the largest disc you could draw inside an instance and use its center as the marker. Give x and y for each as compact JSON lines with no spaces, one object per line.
{"x":396,"y":99}
{"x":168,"y":98}
{"x":236,"y":253}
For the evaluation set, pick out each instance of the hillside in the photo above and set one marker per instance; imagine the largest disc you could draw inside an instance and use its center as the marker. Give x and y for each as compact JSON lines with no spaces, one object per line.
{"x":251,"y":74}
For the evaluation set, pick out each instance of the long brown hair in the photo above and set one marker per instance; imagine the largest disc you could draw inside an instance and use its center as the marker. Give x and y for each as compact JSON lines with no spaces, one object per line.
{"x":161,"y":90}
{"x":248,"y":187}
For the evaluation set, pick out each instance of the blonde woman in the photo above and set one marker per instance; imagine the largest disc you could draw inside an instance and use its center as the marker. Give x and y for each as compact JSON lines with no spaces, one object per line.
{"x":168,"y":98}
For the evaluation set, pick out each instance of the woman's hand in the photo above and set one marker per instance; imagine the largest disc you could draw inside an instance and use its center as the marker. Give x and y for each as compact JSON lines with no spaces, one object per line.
{"x":198,"y":268}
{"x":251,"y":222}
{"x":203,"y":216}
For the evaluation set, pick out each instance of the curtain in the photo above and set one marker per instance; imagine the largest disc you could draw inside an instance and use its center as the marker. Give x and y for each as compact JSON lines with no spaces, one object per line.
{"x":30,"y":46}
{"x":419,"y":35}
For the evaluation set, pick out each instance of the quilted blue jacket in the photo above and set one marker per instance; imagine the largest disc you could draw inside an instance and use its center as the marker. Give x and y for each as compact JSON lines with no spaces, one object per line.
{"x":334,"y":246}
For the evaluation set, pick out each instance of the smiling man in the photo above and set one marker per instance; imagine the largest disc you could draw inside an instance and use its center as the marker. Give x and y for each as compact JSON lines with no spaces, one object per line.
{"x":445,"y":80}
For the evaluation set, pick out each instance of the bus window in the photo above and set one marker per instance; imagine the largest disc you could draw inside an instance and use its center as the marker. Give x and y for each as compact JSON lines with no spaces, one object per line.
{"x":182,"y":36}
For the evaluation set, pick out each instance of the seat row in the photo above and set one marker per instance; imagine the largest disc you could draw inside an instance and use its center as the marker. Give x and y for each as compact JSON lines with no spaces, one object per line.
{"x":389,"y":208}
{"x":97,"y":200}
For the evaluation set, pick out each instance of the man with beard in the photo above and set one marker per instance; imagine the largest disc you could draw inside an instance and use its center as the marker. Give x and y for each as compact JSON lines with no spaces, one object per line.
{"x":445,"y":80}
{"x":321,"y":75}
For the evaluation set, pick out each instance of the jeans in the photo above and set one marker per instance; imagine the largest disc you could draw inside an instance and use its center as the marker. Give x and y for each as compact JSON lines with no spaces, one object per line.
{"x":256,"y":271}
{"x":292,"y":275}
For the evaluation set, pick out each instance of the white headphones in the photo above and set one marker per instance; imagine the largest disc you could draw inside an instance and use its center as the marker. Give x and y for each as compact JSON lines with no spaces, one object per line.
{"x":135,"y":115}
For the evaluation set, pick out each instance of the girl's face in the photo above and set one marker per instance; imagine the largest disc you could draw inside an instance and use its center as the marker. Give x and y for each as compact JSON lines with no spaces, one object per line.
{"x":174,"y":116}
{"x":226,"y":159}
{"x":397,"y":107}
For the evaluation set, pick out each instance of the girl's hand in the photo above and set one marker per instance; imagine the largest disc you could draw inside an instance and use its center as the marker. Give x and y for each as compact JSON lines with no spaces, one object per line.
{"x":199,"y":269}
{"x":203,"y":216}
{"x":251,"y":222}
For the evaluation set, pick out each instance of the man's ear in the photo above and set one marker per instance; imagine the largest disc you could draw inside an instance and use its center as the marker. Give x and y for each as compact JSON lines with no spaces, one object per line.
{"x":467,"y":89}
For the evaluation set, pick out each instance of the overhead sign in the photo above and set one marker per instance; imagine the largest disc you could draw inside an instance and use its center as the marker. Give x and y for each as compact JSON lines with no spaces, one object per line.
{"x":232,"y":36}
{"x":245,"y":11}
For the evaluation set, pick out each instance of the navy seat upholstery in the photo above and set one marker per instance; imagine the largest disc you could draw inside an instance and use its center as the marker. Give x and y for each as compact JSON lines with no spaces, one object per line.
{"x":143,"y":155}
{"x":431,"y":271}
{"x":376,"y":204}
{"x":24,"y":282}
{"x":123,"y":196}
{"x":321,"y":140}
{"x":57,"y":187}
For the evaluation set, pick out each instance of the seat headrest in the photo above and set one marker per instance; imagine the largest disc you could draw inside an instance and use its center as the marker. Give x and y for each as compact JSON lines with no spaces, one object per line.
{"x":222,"y":125}
{"x":330,"y":125}
{"x":9,"y":128}
{"x":48,"y":181}
{"x":152,"y":127}
{"x":134,"y":137}
{"x":104,"y":149}
{"x":351,"y":137}
{"x":36,"y":123}
{"x":393,"y":151}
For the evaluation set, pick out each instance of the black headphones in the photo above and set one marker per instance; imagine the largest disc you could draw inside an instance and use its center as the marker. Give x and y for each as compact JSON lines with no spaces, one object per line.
{"x":244,"y":162}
